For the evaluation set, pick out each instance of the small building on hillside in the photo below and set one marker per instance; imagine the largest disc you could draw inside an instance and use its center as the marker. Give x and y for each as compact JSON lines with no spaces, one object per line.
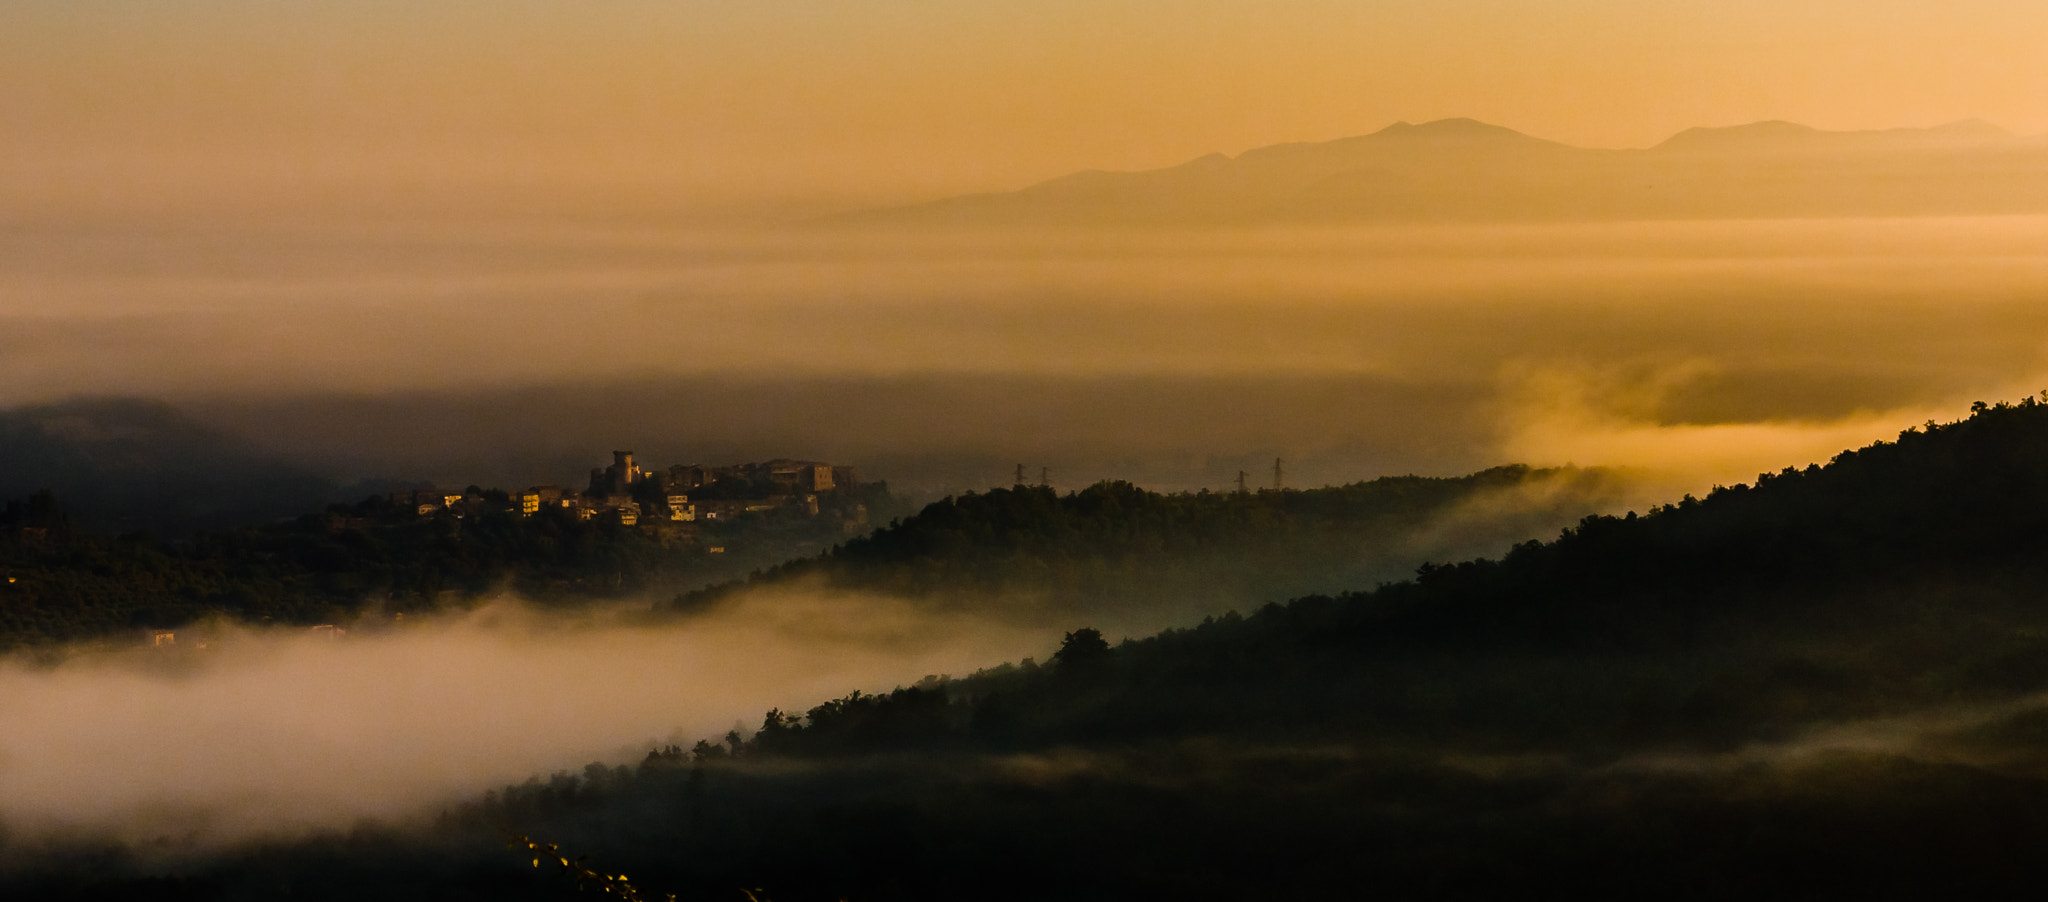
{"x":793,"y":476}
{"x":680,"y":509}
{"x":618,"y":478}
{"x":688,"y":476}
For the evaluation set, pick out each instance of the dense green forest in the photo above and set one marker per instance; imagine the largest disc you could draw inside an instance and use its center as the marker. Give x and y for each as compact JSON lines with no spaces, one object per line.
{"x":1826,"y":683}
{"x":67,"y":583}
{"x":1117,"y":550}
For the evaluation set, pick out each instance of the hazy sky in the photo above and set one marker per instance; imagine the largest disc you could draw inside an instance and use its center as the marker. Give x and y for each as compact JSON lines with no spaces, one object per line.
{"x":607,"y":105}
{"x":411,"y":199}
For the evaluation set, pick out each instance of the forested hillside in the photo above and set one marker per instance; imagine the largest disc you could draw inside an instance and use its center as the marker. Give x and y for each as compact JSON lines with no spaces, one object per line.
{"x":1114,"y":551}
{"x":1826,"y":683}
{"x":63,"y":582}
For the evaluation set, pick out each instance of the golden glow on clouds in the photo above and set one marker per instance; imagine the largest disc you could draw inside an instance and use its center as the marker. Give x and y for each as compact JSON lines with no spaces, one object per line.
{"x":219,"y":152}
{"x":1570,"y":414}
{"x":706,"y":103}
{"x":1707,"y":350}
{"x":1719,"y":349}
{"x":282,"y":731}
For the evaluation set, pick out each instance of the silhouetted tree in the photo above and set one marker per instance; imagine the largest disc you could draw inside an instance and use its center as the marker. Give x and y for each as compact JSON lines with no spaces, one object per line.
{"x":1084,"y":652}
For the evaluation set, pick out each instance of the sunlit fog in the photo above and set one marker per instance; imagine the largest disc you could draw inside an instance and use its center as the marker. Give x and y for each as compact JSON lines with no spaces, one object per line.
{"x":233,"y":733}
{"x":1716,"y":349}
{"x":1015,"y":450}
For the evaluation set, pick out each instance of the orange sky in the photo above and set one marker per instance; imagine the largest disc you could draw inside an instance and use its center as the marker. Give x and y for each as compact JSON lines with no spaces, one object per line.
{"x":676,"y":105}
{"x":459,"y":195}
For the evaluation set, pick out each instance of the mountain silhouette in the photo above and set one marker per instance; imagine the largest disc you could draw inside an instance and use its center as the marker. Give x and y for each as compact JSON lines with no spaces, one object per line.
{"x":1461,"y":170}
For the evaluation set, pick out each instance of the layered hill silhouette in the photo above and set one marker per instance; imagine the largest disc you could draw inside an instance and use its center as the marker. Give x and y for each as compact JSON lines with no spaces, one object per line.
{"x":1830,"y":682}
{"x":1129,"y":557}
{"x":1460,"y":170}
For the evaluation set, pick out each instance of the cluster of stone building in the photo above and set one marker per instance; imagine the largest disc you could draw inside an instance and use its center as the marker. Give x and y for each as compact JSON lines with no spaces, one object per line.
{"x":630,"y":495}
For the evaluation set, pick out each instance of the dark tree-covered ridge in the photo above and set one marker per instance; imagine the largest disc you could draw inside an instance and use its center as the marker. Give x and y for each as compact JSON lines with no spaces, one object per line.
{"x":1832,"y":682}
{"x":63,"y":583}
{"x":1616,"y":713}
{"x":1116,"y":547}
{"x":1902,"y":574}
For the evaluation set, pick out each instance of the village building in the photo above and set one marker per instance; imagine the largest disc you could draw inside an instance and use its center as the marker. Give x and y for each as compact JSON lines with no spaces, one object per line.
{"x":619,"y":478}
{"x":791,"y":476}
{"x":631,"y":495}
{"x":415,"y":498}
{"x":680,"y":509}
{"x":688,"y":476}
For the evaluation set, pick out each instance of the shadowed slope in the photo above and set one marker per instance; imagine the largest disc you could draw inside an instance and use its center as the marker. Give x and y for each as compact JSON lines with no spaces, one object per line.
{"x":126,"y":463}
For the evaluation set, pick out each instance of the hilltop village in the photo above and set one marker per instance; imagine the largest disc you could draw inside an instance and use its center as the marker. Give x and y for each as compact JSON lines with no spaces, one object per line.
{"x":630,"y":532}
{"x":629,"y":495}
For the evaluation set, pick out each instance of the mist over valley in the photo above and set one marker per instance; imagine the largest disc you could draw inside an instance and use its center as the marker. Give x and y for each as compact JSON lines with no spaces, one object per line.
{"x":917,"y":451}
{"x":1791,"y":672}
{"x":1656,"y":360}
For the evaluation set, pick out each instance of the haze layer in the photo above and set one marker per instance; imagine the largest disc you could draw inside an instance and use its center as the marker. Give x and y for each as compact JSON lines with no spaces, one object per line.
{"x":1173,"y":356}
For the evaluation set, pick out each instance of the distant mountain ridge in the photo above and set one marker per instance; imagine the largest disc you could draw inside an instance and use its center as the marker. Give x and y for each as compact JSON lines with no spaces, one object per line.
{"x":1462,"y":170}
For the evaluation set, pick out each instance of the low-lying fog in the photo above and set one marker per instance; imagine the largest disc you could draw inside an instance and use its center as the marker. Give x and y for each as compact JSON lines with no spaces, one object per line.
{"x":265,"y":732}
{"x":235,"y":733}
{"x":499,"y":354}
{"x":1704,"y":352}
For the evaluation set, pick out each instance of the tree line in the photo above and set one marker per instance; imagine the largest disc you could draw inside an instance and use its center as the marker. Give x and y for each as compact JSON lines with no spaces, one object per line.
{"x":1114,"y":545}
{"x":65,"y":583}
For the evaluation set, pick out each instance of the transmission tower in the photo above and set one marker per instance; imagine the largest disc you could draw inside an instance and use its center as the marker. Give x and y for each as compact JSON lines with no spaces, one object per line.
{"x":1241,"y":488}
{"x":1045,"y":477}
{"x":1278,"y":480}
{"x":1020,"y":474}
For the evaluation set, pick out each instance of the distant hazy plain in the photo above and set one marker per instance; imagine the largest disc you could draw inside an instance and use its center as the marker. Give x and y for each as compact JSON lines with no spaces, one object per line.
{"x":494,"y":352}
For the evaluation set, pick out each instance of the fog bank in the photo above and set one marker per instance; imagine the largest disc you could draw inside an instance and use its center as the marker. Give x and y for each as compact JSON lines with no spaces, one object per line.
{"x":261,"y":733}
